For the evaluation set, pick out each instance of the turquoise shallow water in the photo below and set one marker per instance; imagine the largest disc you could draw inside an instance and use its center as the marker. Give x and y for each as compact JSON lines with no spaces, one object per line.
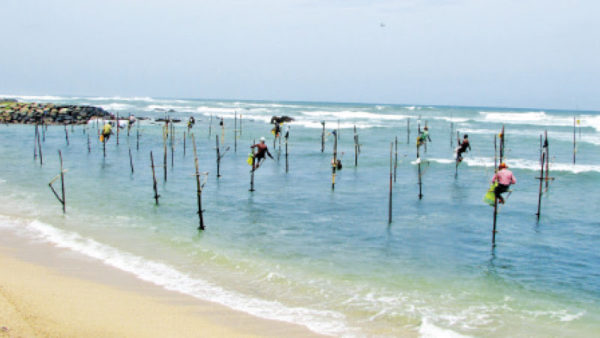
{"x":296,"y":251}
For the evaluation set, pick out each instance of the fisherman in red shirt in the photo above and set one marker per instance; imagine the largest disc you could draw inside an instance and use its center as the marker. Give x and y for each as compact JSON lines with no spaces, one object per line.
{"x":259,"y":157}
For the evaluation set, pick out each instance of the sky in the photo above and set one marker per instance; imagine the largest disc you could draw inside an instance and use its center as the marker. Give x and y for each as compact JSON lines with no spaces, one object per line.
{"x":504,"y":53}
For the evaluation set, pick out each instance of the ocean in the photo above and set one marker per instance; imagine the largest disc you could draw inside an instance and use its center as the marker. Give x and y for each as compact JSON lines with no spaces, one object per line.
{"x":297,"y":251}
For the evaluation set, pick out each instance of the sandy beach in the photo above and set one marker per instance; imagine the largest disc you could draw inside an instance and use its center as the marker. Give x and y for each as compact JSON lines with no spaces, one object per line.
{"x":52,"y":292}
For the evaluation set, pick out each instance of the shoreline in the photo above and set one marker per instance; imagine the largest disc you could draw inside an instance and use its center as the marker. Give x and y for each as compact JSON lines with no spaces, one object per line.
{"x":52,"y":291}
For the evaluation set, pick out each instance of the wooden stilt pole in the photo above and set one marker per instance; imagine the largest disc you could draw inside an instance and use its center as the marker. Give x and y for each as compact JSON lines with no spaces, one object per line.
{"x":130,"y":160}
{"x":39,"y":143}
{"x":44,"y":127}
{"x":323,"y":137}
{"x":222,"y":130}
{"x":390,"y":193}
{"x":62,"y":183}
{"x":419,"y":173}
{"x":287,"y":164}
{"x":547,"y":158}
{"x":172,"y":145}
{"x":35,"y":142}
{"x":66,"y":134}
{"x":199,"y":186}
{"x":156,"y":195}
{"x":137,"y":138}
{"x":355,"y":147}
{"x":165,"y":154}
{"x":61,"y":198}
{"x":457,"y":160}
{"x":184,"y":140}
{"x":218,"y":156}
{"x":210,"y":126}
{"x":502,"y":138}
{"x":395,"y":157}
{"x":541,"y":178}
{"x":104,"y":147}
{"x":88,"y":143}
{"x":118,"y":129}
{"x":495,"y":197}
{"x":334,"y":161}
{"x":253,"y":167}
{"x":240,"y":124}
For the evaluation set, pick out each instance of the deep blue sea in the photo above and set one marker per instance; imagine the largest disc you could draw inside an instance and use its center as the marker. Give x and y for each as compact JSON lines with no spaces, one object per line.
{"x":295,"y":250}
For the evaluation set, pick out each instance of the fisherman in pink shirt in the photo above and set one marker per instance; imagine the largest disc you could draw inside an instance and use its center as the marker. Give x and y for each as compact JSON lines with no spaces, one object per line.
{"x":505,"y":178}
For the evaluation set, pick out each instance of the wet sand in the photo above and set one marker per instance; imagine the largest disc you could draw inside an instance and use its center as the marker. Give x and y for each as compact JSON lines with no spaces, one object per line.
{"x":49,"y":291}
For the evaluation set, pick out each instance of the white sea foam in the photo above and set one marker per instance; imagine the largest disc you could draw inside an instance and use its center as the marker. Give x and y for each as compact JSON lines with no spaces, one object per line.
{"x":319,"y":321}
{"x":116,"y":106}
{"x":166,"y":107}
{"x":349,"y":114}
{"x":428,"y":330}
{"x":541,"y":118}
{"x":520,"y":164}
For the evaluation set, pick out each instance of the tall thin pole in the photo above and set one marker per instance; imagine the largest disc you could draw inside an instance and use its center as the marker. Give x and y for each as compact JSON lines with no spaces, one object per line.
{"x":198,"y":187}
{"x":222,"y":130}
{"x":235,"y":132}
{"x":407,"y":131}
{"x":390,"y":193}
{"x":210,"y":126}
{"x":334,"y":161}
{"x":419,"y":173}
{"x":355,"y":147}
{"x":62,"y":183}
{"x":156,"y":195}
{"x":88,"y":143}
{"x":547,"y":157}
{"x":130,"y":160}
{"x":35,"y":142}
{"x":495,"y":154}
{"x":287,"y":164}
{"x":395,"y":156}
{"x":495,"y":197}
{"x":541,"y":178}
{"x":502,"y":138}
{"x":218,"y":156}
{"x":137,"y":138}
{"x":117,"y":124}
{"x":165,"y":153}
{"x":184,"y":140}
{"x":66,"y":134}
{"x":240,"y":124}
{"x":323,"y":137}
{"x":253,"y":167}
{"x":172,"y":144}
{"x":40,"y":146}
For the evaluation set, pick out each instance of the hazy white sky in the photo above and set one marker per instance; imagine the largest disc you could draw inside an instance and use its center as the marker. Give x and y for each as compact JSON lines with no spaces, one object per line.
{"x":524,"y":53}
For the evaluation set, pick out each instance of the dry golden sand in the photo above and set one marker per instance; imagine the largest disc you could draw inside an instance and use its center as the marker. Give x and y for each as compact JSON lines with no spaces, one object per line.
{"x":72,"y":296}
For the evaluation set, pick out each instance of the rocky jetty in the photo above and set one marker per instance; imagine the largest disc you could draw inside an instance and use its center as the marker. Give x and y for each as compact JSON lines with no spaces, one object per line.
{"x":48,"y":113}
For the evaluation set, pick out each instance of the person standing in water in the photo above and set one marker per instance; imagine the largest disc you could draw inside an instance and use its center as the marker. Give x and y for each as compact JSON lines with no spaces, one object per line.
{"x":462,"y":148}
{"x":259,"y":156}
{"x":505,"y":178}
{"x":191,"y":122}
